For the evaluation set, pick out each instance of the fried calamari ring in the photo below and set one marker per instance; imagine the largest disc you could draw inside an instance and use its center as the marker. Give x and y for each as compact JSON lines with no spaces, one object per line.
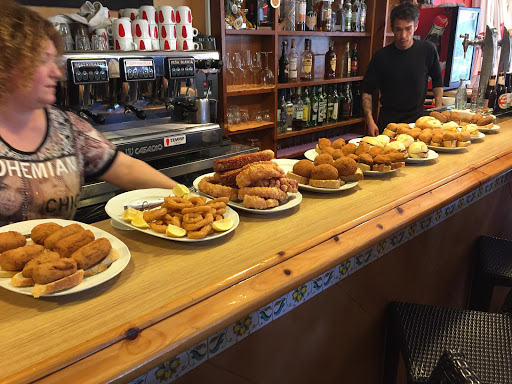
{"x":265,"y":192}
{"x":155,"y":214}
{"x":160,"y":228}
{"x":199,"y":209}
{"x":198,"y":200}
{"x":175,"y":220}
{"x":192,"y":218}
{"x":219,"y":202}
{"x":207,"y":185}
{"x":196,"y":226}
{"x":257,"y":202}
{"x":220,"y":211}
{"x":218,"y":217}
{"x":176,"y":203}
{"x":200,"y":234}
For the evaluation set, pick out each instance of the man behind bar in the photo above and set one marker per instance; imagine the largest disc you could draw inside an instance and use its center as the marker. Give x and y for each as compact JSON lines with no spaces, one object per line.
{"x":400,"y":72}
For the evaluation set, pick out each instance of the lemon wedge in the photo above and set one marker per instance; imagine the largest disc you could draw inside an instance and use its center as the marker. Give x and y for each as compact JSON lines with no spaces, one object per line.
{"x":180,"y":190}
{"x":139,"y":222}
{"x":175,"y":231}
{"x":130,"y":214}
{"x":223,"y":225}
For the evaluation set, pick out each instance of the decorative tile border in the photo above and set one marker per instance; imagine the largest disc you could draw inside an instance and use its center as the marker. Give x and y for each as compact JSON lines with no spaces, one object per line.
{"x":179,"y":365}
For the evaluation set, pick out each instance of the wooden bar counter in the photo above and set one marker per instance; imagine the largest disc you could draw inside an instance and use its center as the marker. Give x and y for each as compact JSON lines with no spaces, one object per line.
{"x":173,"y":295}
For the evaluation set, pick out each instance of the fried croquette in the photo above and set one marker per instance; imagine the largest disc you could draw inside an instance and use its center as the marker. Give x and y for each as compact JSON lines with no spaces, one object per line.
{"x":365,"y":158}
{"x":303,"y":168}
{"x":338,"y":144}
{"x":324,"y":158}
{"x":92,"y":253}
{"x":54,"y":270}
{"x":15,"y":259}
{"x":66,"y":246}
{"x":349,"y":148}
{"x":337,"y":154}
{"x":345,"y":166}
{"x":324,"y":172}
{"x":66,"y":231}
{"x":363,"y":147}
{"x":11,"y":240}
{"x":396,"y":157}
{"x":375,"y":151}
{"x":415,"y":132}
{"x":44,"y":257}
{"x":403,"y":129}
{"x":387,"y":151}
{"x":323,"y":143}
{"x":352,"y":156}
{"x":41,"y":231}
{"x":328,"y":150}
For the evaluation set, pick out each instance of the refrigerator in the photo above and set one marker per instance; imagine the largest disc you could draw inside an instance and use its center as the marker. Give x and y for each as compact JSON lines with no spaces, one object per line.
{"x":443,"y":26}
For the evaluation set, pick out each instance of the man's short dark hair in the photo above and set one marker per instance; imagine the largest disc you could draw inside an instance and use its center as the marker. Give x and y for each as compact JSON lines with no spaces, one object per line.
{"x":405,"y":11}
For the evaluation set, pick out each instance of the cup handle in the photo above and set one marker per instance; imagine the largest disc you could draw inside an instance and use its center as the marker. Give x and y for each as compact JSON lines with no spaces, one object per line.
{"x":195,"y":32}
{"x":134,"y":46}
{"x":197,"y":45}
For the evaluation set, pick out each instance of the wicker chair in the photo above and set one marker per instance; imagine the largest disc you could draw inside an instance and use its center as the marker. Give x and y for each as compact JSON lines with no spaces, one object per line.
{"x":425,"y":333}
{"x":494,"y":268}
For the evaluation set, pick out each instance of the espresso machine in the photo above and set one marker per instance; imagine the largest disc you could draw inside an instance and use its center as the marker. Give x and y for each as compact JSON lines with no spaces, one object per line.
{"x":157,"y":106}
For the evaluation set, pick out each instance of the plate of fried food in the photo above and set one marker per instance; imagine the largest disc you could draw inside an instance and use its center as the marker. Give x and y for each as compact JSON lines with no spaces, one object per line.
{"x":251,"y":182}
{"x":159,"y":212}
{"x":54,"y":257}
{"x":323,"y":178}
{"x":418,"y":152}
{"x":493,"y":129}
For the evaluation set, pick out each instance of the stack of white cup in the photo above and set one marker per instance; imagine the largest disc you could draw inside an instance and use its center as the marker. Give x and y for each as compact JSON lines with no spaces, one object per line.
{"x":141,"y":35}
{"x":167,"y":27}
{"x":148,"y":13}
{"x":121,"y":31}
{"x":184,"y":30}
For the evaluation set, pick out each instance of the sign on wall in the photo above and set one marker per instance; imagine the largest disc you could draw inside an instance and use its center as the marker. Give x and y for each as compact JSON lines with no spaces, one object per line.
{"x":110,"y":4}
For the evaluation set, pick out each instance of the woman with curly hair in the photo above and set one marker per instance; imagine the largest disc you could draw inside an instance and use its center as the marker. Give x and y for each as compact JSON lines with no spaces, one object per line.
{"x":41,"y":145}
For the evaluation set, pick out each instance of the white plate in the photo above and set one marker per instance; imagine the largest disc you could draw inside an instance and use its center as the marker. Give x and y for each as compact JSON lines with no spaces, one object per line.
{"x":292,"y":200}
{"x":287,"y":166}
{"x":431,"y":156}
{"x":494,"y":129}
{"x":447,"y":149}
{"x":355,"y":141}
{"x":412,"y":125}
{"x":480,"y":136}
{"x":25,"y":227}
{"x":115,"y":208}
{"x":310,"y":154}
{"x":378,"y":173}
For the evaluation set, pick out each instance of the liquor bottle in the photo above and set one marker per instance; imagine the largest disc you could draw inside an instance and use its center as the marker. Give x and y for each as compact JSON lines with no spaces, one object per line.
{"x":356,"y":100}
{"x":306,"y":62}
{"x":356,"y":16}
{"x":346,"y":62}
{"x":325,"y":16}
{"x":293,"y":58}
{"x":284,"y":65}
{"x":252,"y":12}
{"x":340,"y":17}
{"x":348,"y":16}
{"x":343,"y":100}
{"x":435,"y":34}
{"x":313,"y":122}
{"x":322,"y":106}
{"x":347,"y":104}
{"x":289,"y":112}
{"x":490,"y":93}
{"x":282,"y":114}
{"x":330,"y":62}
{"x":362,"y":16}
{"x":353,"y":61}
{"x":501,"y":95}
{"x":306,"y":112}
{"x":298,"y":111}
{"x":508,"y":84}
{"x":265,"y":16}
{"x":310,"y":16}
{"x":288,"y":14}
{"x":461,"y":96}
{"x":330,"y":105}
{"x":335,"y":104}
{"x":301,"y":15}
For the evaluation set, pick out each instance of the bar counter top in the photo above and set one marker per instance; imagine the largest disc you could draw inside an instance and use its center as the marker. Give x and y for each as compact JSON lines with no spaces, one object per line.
{"x":174,"y":294}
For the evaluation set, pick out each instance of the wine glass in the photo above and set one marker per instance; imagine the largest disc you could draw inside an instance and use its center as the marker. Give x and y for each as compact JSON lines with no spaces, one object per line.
{"x":267,"y":76}
{"x":230,"y":74}
{"x":256,"y":68}
{"x":240,"y":73}
{"x":247,"y":66}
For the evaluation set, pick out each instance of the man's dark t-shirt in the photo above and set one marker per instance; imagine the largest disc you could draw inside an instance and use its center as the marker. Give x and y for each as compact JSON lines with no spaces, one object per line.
{"x":402,"y":78}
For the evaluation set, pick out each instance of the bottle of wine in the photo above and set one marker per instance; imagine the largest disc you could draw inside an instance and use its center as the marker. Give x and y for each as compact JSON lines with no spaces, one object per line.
{"x":284,"y":65}
{"x":289,"y":112}
{"x":310,"y":16}
{"x":322,"y":106}
{"x":298,"y":111}
{"x":340,"y":17}
{"x":330,"y":105}
{"x":490,"y":93}
{"x":362,"y":16}
{"x":347,"y":104}
{"x":306,"y":112}
{"x":330,"y":62}
{"x":353,"y":61}
{"x":348,"y":16}
{"x":346,"y":62}
{"x":314,"y":108}
{"x":301,"y":15}
{"x":356,"y":105}
{"x":501,"y":95}
{"x":293,"y":58}
{"x":306,"y":62}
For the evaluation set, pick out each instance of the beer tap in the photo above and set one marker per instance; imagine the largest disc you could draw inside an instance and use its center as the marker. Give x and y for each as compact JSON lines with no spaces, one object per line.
{"x":505,"y":44}
{"x":489,"y":47}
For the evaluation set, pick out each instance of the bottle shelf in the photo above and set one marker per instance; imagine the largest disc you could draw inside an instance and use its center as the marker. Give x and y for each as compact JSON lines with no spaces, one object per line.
{"x":320,"y":33}
{"x":320,"y":128}
{"x":254,"y":32}
{"x":319,"y":82}
{"x":250,"y":91}
{"x":250,"y":126}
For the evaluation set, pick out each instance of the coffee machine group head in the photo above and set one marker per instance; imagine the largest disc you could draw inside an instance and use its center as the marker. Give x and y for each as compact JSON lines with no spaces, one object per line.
{"x":181,"y":75}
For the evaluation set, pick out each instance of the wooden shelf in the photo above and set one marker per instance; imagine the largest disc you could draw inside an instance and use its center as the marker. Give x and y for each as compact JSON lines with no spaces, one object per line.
{"x":255,"y":32}
{"x":251,"y":91}
{"x":320,"y":33}
{"x":320,"y":82}
{"x":320,"y":128}
{"x":250,"y":127}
